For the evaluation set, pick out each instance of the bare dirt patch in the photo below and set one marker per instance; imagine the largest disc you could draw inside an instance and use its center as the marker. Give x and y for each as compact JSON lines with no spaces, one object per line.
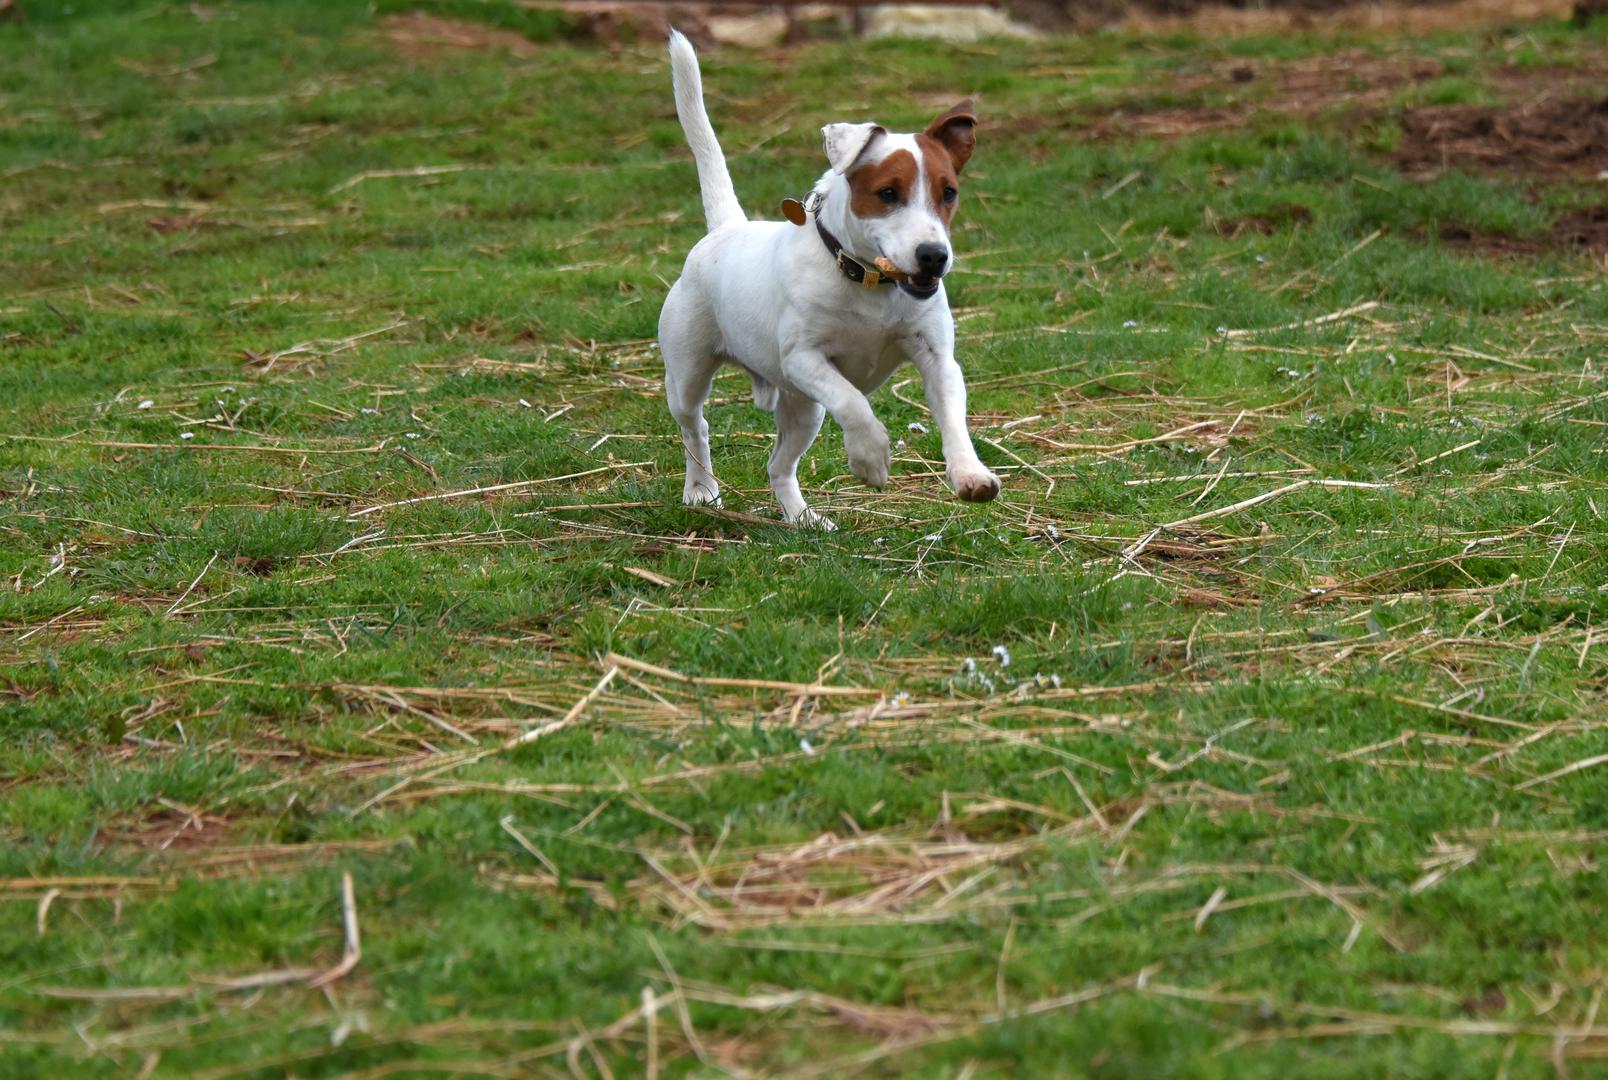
{"x":419,"y":34}
{"x":616,"y":24}
{"x":1173,"y":16}
{"x":1265,"y":223}
{"x":1584,"y":231}
{"x":1351,"y":82}
{"x":1544,"y":138}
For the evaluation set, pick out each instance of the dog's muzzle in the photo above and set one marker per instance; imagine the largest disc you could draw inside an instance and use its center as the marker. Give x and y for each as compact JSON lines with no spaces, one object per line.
{"x":931,"y":262}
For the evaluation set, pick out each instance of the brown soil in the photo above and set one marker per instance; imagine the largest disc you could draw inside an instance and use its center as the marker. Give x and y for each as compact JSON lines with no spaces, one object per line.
{"x":1346,"y":80}
{"x":1544,"y":138}
{"x":615,"y":24}
{"x":419,"y":34}
{"x":1220,"y":20}
{"x":1267,"y":222}
{"x":1349,"y":81}
{"x":1584,"y":231}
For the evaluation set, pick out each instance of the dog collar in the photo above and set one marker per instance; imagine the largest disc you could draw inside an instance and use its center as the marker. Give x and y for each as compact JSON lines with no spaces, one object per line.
{"x":850,"y":267}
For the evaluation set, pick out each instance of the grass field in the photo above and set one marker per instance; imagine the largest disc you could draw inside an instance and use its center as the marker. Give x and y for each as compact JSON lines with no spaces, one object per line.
{"x":1258,"y":730}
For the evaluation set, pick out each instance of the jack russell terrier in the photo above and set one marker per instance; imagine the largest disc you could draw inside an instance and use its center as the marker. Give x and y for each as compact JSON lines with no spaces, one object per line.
{"x":819,"y":316}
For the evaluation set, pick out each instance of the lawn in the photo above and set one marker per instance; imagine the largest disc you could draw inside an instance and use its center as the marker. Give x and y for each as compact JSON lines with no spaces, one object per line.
{"x":371,"y":707}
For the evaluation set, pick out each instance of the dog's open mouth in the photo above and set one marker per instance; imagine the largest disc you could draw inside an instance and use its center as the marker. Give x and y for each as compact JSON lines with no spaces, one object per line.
{"x":921,"y":286}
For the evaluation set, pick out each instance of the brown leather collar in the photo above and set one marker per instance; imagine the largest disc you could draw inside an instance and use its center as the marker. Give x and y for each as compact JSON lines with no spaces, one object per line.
{"x":856,"y":271}
{"x":850,"y":267}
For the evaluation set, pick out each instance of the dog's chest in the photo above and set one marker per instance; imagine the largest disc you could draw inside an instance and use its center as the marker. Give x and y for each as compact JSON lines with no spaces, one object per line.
{"x":865,"y":345}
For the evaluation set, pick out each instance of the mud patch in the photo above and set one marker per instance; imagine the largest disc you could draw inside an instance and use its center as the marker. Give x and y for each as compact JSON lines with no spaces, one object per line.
{"x":418,"y":34}
{"x":1266,"y":223}
{"x":1583,"y":231}
{"x":1327,"y":16}
{"x":1349,"y":81}
{"x":615,"y":24}
{"x":172,"y":827}
{"x":1545,"y":138}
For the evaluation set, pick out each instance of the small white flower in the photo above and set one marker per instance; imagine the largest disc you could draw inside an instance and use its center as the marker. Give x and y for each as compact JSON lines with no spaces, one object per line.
{"x":968,"y":666}
{"x":227,"y":390}
{"x":1223,"y":330}
{"x":804,"y":745}
{"x":186,"y":434}
{"x":146,"y":404}
{"x":918,"y":427}
{"x":410,"y":434}
{"x":901,"y":699}
{"x":1130,"y":324}
{"x":366,"y":411}
{"x":1002,"y":655}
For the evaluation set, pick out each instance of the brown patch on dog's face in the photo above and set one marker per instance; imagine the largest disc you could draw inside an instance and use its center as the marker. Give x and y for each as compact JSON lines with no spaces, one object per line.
{"x":938,"y":169}
{"x":956,"y":131}
{"x":868,"y":184}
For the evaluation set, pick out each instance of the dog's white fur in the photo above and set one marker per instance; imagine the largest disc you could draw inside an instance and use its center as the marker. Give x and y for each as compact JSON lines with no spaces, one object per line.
{"x":768,"y":297}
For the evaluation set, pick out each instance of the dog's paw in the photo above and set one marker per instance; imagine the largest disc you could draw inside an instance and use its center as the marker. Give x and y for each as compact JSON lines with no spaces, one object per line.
{"x":870,"y":457}
{"x":696,"y":494}
{"x":976,"y":484}
{"x":809,"y":519}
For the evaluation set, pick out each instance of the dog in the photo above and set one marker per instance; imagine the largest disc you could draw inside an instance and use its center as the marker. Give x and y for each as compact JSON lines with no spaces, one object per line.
{"x":821,"y":309}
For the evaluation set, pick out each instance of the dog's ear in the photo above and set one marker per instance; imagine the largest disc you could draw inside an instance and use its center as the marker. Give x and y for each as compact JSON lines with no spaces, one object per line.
{"x":956,"y":131}
{"x":844,"y":143}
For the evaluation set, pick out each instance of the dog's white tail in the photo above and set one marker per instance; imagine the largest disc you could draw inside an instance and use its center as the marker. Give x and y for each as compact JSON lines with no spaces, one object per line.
{"x":719,"y":197}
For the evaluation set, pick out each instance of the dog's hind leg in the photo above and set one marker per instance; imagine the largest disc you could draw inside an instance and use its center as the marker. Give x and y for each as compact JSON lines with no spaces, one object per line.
{"x":689,"y":370}
{"x":798,"y":420}
{"x":687,"y":379}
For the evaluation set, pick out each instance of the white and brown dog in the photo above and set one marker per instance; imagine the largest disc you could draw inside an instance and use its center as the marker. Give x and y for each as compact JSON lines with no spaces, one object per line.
{"x":820,"y":312}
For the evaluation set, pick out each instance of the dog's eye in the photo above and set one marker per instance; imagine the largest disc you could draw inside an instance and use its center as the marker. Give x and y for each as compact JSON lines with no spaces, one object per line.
{"x":950,"y":194}
{"x":889,"y":195}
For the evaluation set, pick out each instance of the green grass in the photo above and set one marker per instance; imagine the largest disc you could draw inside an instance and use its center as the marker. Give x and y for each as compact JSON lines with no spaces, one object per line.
{"x":1332,"y":716}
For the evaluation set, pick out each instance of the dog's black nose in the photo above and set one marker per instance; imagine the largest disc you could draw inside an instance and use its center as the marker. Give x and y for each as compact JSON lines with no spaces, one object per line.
{"x":931,"y":259}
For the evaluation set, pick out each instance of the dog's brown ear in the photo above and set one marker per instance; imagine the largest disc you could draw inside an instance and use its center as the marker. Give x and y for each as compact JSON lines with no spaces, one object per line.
{"x":956,"y":130}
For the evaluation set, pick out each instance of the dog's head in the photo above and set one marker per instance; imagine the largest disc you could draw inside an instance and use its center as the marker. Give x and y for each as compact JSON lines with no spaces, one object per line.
{"x":896,"y":194}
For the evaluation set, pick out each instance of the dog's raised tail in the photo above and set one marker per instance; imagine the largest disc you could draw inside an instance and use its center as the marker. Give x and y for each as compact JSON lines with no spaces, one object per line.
{"x":721,"y":207}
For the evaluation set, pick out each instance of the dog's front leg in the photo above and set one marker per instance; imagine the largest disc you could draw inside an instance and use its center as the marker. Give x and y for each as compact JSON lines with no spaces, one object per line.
{"x":864,"y":437}
{"x":946,"y":397}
